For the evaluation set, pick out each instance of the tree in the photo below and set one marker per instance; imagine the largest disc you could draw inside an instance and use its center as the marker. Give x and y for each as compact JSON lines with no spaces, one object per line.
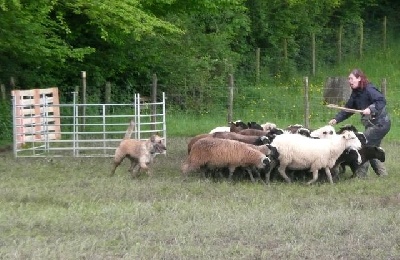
{"x":35,"y":35}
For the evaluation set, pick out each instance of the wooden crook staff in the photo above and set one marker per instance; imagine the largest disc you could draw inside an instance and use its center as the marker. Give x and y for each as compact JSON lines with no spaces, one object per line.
{"x":344,"y":108}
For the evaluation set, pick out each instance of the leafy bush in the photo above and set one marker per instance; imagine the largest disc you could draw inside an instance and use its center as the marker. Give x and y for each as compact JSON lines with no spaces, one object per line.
{"x":6,"y":128}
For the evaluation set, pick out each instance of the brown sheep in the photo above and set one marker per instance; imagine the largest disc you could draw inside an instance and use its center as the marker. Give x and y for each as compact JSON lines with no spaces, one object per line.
{"x":220,"y":153}
{"x":194,"y":139}
{"x":251,"y":131}
{"x":237,"y":126}
{"x":249,"y":139}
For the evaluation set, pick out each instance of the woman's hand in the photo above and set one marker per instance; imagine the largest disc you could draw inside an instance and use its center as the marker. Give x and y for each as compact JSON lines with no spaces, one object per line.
{"x":366,"y":111}
{"x":332,"y":122}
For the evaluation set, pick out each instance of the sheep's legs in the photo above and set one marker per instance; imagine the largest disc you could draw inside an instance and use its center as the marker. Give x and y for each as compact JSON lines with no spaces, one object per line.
{"x":273,"y":164}
{"x":259,"y":175}
{"x":251,"y":174}
{"x":282,"y":171}
{"x":315,"y":176}
{"x":329,"y":175}
{"x":231,"y":170}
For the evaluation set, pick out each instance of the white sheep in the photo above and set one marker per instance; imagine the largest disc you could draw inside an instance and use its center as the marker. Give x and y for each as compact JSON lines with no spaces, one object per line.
{"x":220,"y":129}
{"x":221,"y":153}
{"x":224,"y":128}
{"x":323,"y":132}
{"x":297,"y":152}
{"x":268,"y":126}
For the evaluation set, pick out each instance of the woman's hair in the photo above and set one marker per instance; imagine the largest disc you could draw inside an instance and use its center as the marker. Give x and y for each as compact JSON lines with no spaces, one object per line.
{"x":360,"y":74}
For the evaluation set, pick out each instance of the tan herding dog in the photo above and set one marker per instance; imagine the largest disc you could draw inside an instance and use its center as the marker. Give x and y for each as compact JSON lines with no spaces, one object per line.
{"x":141,"y":153}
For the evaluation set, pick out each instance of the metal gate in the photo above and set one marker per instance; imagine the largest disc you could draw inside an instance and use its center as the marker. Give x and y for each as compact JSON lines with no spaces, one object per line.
{"x":82,"y":130}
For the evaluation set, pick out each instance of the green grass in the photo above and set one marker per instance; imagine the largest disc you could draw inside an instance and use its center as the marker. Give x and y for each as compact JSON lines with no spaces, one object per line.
{"x":70,"y":208}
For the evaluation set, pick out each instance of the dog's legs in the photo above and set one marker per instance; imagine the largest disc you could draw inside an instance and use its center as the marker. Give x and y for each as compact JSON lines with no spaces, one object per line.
{"x":118,"y":158}
{"x":134,"y":169}
{"x":116,"y":163}
{"x":144,"y":167}
{"x":133,"y":165}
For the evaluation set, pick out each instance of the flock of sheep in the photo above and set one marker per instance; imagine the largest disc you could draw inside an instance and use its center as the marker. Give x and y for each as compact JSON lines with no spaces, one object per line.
{"x":262,"y":150}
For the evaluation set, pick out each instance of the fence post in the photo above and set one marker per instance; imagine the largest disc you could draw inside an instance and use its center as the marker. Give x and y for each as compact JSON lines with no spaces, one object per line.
{"x":3,"y":92}
{"x":230,"y":98}
{"x":83,"y":93}
{"x":313,"y":53}
{"x":361,"y":39}
{"x":154,"y":100}
{"x":383,"y":86}
{"x":306,"y":103}
{"x":107,"y":97}
{"x":384,"y":33}
{"x":258,"y":65}
{"x":340,"y":36}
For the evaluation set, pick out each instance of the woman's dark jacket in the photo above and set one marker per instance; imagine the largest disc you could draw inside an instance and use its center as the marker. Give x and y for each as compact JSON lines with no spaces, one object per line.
{"x":360,"y":99}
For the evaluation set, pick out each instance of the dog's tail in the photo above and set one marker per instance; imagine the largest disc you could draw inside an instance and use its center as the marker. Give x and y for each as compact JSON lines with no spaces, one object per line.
{"x":130,"y":129}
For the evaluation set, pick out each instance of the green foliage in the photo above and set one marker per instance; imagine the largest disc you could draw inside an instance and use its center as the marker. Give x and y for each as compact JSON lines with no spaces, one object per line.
{"x":6,"y":127}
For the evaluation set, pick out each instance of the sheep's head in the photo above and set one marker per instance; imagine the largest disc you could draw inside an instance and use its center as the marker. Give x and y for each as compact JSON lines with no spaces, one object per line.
{"x":267,"y":163}
{"x":362,"y":138}
{"x":347,"y":127}
{"x":324,"y":132}
{"x":239,"y":123}
{"x":274,"y":154}
{"x":351,"y":140}
{"x":294,"y":128}
{"x":254,"y":125}
{"x":353,"y":155}
{"x":237,"y":126}
{"x":268,"y":126}
{"x":379,"y":153}
{"x":265,"y":140}
{"x":304,"y":131}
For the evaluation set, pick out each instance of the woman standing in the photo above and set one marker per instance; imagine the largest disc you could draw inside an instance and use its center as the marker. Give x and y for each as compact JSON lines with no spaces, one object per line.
{"x":375,"y":118}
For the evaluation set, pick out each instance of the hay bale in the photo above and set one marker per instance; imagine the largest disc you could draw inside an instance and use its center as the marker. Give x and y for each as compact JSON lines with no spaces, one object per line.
{"x":336,"y":90}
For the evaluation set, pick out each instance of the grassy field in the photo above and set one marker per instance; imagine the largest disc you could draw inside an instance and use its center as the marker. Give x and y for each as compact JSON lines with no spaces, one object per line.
{"x":70,"y":208}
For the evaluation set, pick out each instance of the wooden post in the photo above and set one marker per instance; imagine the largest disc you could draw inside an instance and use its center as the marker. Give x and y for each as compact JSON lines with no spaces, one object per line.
{"x":154,"y":100}
{"x":313,"y":53}
{"x":361,"y":39}
{"x":384,"y":33}
{"x":258,"y":55}
{"x":306,"y":103}
{"x":285,"y":50}
{"x":3,"y":92}
{"x":107,"y":97}
{"x":383,"y":86}
{"x":230,"y":97}
{"x":83,"y":98}
{"x":340,"y":35}
{"x":12,"y":83}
